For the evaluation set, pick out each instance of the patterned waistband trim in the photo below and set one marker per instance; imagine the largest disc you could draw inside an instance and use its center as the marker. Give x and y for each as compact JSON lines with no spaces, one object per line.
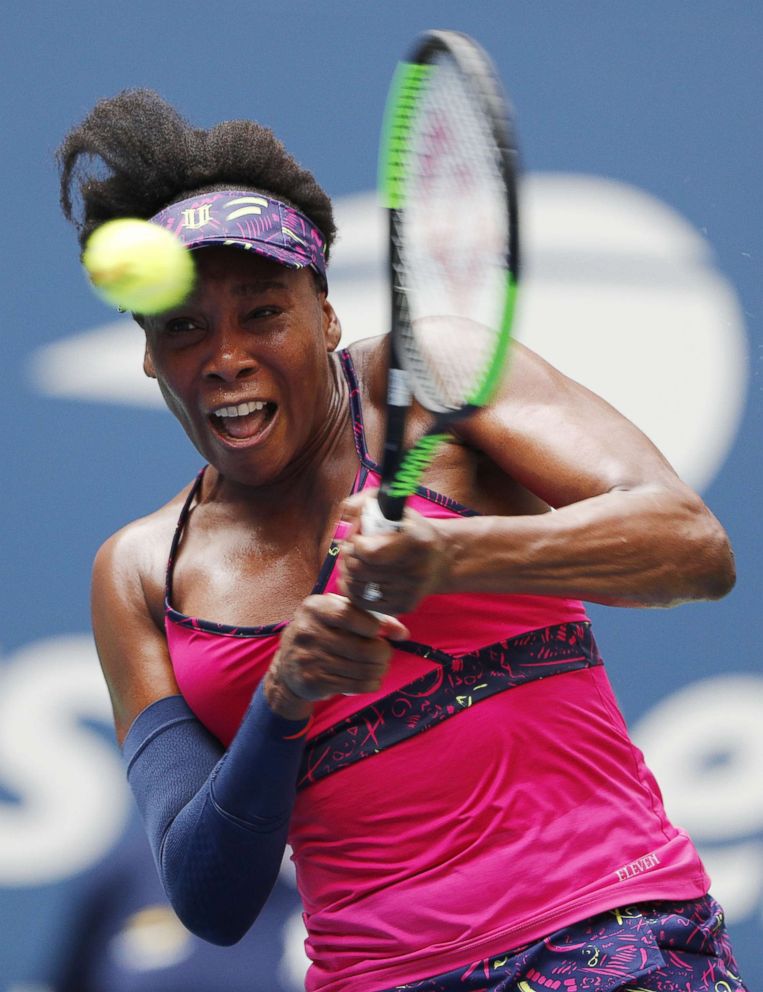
{"x":452,"y":687}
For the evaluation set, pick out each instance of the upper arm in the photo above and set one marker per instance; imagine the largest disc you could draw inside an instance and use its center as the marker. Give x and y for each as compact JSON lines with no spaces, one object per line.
{"x":131,"y":645}
{"x":560,"y":440}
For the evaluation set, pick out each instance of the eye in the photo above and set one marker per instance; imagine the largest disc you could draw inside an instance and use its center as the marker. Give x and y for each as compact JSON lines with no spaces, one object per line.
{"x":262,"y":312}
{"x":178,"y":326}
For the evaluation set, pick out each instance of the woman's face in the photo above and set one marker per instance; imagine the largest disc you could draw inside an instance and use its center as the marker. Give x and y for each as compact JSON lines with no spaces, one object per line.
{"x":243,"y":364}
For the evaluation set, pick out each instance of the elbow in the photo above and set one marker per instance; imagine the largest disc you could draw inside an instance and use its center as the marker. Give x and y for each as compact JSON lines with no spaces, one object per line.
{"x":711,"y":557}
{"x":221,"y":937}
{"x":721,"y":574}
{"x":219,"y":902}
{"x":218,"y":908}
{"x":218,"y":928}
{"x":693,"y":560}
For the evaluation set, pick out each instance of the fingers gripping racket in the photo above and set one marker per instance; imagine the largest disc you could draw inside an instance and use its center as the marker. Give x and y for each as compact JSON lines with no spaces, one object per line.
{"x":448,"y":173}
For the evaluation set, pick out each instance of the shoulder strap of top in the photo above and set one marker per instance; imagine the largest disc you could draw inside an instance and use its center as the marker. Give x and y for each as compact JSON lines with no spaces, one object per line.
{"x":356,"y":411}
{"x":193,"y":492}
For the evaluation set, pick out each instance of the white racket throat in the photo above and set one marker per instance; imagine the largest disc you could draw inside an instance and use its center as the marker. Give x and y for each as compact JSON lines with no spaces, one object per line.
{"x":373,"y":521}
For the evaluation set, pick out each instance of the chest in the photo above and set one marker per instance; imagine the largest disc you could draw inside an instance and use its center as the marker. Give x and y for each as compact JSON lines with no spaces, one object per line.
{"x":244,"y":575}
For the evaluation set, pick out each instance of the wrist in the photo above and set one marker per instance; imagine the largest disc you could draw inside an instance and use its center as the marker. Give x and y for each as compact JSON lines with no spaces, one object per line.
{"x":450,"y":549}
{"x":282,"y":700}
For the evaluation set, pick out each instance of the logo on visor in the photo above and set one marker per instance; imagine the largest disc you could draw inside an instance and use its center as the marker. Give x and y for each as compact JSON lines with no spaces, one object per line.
{"x":250,"y":205}
{"x":196,"y":217}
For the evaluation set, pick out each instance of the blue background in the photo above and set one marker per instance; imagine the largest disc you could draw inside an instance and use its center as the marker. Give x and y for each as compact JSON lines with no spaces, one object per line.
{"x":663,"y":96}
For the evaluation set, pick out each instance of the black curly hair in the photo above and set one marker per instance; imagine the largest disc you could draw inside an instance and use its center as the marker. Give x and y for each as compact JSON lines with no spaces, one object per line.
{"x":134,"y":154}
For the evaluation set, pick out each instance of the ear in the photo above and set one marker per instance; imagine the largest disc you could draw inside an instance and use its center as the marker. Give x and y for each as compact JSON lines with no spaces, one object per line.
{"x":332,"y":329}
{"x":148,"y":364}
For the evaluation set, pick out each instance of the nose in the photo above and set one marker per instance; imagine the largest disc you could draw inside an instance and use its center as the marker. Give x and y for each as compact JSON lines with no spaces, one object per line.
{"x":230,"y":356}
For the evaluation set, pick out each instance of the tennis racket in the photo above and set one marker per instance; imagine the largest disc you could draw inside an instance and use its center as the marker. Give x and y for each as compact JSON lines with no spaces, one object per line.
{"x":448,"y":175}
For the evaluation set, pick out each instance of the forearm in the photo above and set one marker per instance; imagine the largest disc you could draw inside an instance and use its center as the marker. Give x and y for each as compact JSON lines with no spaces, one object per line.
{"x":217,"y":822}
{"x":640,"y":547}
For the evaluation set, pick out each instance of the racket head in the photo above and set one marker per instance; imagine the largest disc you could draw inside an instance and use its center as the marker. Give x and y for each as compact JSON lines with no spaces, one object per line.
{"x":448,"y":176}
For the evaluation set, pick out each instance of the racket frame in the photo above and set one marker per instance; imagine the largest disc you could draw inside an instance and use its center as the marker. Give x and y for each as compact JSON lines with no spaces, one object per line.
{"x":401,"y":470}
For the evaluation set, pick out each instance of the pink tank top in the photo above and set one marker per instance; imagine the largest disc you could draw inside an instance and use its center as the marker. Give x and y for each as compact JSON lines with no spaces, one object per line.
{"x":486,"y":796}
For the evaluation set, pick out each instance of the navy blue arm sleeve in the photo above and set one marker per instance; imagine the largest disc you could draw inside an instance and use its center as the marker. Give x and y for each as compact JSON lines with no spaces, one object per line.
{"x":217,"y":820}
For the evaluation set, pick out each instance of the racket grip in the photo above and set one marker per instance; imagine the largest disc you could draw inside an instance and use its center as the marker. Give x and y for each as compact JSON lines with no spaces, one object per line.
{"x":373,"y":521}
{"x":391,"y":507}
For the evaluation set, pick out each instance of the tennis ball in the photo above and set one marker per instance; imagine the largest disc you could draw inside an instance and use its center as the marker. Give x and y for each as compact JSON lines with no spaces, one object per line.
{"x":138,"y":266}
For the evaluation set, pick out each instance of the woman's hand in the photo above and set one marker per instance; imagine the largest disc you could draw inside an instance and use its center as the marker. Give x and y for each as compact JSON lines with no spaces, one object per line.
{"x":330,"y":647}
{"x":402,"y":566}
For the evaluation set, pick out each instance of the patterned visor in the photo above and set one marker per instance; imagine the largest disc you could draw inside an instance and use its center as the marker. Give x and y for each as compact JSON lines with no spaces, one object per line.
{"x":247,"y":220}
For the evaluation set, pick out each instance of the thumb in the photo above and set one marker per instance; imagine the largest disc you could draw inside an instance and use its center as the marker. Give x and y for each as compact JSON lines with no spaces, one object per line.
{"x":392,"y":629}
{"x":352,"y":507}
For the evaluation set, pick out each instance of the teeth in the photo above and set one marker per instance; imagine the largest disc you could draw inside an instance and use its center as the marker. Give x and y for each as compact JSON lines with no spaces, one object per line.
{"x":242,"y":410}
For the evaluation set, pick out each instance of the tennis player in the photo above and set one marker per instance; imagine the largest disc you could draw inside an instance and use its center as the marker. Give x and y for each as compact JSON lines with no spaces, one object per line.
{"x":464,"y":804}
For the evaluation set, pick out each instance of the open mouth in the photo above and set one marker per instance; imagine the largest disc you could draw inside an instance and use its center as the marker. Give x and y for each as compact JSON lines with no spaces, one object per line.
{"x":243,"y":421}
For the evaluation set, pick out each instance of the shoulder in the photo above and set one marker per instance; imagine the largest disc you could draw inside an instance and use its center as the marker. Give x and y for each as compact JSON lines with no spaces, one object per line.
{"x":132,"y":562}
{"x":370,"y":358}
{"x":533,"y":396}
{"x":526,"y":372}
{"x":127,"y":605}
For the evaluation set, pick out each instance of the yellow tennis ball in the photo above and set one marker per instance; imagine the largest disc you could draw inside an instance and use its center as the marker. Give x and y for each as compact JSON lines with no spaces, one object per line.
{"x":138,"y":266}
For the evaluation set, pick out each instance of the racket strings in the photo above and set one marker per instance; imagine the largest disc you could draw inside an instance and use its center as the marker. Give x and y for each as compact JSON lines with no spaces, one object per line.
{"x":452,"y":239}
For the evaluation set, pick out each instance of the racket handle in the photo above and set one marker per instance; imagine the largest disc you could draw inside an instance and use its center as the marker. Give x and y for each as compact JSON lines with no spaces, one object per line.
{"x":373,"y":521}
{"x":390,"y":509}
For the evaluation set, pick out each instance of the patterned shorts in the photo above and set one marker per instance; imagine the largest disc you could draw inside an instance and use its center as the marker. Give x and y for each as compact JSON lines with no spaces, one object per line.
{"x":649,"y":947}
